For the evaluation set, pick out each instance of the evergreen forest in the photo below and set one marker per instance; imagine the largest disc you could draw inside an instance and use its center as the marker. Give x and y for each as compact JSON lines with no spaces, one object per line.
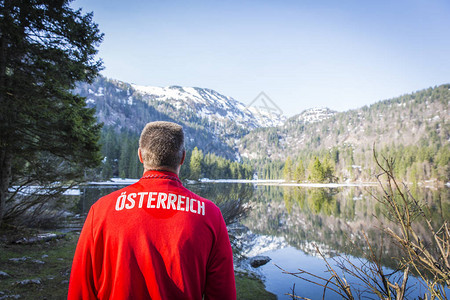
{"x":413,"y":130}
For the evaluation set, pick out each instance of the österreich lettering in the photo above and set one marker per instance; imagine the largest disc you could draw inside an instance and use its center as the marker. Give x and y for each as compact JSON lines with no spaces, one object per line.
{"x":159,"y":200}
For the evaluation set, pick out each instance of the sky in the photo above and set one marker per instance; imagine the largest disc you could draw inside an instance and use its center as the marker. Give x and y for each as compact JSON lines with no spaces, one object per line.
{"x":302,"y":54}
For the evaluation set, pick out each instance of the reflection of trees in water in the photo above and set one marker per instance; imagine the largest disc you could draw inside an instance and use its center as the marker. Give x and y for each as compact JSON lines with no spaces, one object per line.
{"x":90,"y":194}
{"x":314,"y":200}
{"x":230,"y":198}
{"x":439,"y":204}
{"x":322,"y":200}
{"x":332,"y":217}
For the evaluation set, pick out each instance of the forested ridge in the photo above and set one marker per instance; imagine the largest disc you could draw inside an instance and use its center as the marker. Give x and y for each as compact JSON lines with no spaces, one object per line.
{"x":412,"y":129}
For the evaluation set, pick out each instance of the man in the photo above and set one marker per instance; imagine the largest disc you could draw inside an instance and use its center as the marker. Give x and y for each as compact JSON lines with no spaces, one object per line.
{"x":154,"y":239}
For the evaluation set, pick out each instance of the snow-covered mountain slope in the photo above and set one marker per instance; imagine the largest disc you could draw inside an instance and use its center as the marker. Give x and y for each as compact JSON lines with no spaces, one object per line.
{"x":213,"y":122}
{"x":222,"y":125}
{"x":314,"y":115}
{"x":209,"y":104}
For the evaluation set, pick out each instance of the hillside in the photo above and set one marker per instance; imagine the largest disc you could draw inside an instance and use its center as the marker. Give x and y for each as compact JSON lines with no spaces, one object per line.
{"x":416,"y":124}
{"x":212,"y":121}
{"x":414,"y":127}
{"x":421,"y":117}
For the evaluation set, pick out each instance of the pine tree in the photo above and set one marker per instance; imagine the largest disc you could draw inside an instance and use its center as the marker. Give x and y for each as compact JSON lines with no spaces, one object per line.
{"x":315,"y":170}
{"x":195,"y":164}
{"x":124,"y":159}
{"x":287,"y":170}
{"x":299,"y":173}
{"x":328,"y":170}
{"x":135,"y":170}
{"x":185,"y":169}
{"x":46,"y":133}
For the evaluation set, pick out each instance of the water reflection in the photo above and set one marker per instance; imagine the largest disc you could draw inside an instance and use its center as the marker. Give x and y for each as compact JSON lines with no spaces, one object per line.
{"x":332,"y":218}
{"x":232,"y":199}
{"x":335,"y":218}
{"x":90,"y":194}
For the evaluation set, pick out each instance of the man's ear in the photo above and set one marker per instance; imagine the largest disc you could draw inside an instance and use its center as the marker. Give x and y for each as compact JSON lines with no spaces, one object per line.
{"x":140,"y":155}
{"x":183,"y":157}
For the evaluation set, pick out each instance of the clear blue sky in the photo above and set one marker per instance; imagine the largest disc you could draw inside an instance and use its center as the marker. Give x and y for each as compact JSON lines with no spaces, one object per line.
{"x":302,"y":54}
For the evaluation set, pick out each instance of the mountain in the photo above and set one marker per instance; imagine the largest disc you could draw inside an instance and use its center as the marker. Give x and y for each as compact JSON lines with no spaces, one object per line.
{"x":212,"y":121}
{"x":413,"y":130}
{"x":413,"y":119}
{"x":208,"y":104}
{"x":414,"y":127}
{"x":313,"y":115}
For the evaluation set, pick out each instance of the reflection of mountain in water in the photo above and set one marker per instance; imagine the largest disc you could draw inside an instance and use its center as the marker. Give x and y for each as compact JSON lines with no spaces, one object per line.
{"x":335,"y":219}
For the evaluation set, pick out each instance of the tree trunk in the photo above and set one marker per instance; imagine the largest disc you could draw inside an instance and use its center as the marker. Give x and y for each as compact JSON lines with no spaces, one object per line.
{"x":5,"y":157}
{"x":5,"y":179}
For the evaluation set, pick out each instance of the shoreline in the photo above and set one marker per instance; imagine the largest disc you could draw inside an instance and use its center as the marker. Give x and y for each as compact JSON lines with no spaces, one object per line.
{"x":279,"y":182}
{"x":282,"y":182}
{"x":75,"y":190}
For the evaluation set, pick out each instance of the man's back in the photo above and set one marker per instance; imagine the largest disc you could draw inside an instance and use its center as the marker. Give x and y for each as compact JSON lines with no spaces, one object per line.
{"x":153,"y":240}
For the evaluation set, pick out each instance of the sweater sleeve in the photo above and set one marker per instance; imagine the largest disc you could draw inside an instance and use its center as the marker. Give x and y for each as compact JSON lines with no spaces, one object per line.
{"x":82,"y":284}
{"x":220,"y":281}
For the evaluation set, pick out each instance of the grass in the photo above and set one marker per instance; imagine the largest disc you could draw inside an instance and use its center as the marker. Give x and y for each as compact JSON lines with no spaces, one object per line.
{"x":50,"y":263}
{"x":249,"y":288}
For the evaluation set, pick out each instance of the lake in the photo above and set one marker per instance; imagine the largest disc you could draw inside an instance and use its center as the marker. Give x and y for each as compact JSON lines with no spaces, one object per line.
{"x":290,"y":224}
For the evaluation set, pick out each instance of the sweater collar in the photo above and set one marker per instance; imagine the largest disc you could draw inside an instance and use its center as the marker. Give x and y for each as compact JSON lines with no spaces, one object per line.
{"x":154,"y":174}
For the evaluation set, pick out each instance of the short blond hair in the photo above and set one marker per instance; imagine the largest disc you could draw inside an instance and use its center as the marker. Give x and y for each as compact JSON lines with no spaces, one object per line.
{"x":162,"y":145}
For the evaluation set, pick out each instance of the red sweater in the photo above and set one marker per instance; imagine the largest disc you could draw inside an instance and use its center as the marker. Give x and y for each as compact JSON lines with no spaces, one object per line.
{"x":153,"y":240}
